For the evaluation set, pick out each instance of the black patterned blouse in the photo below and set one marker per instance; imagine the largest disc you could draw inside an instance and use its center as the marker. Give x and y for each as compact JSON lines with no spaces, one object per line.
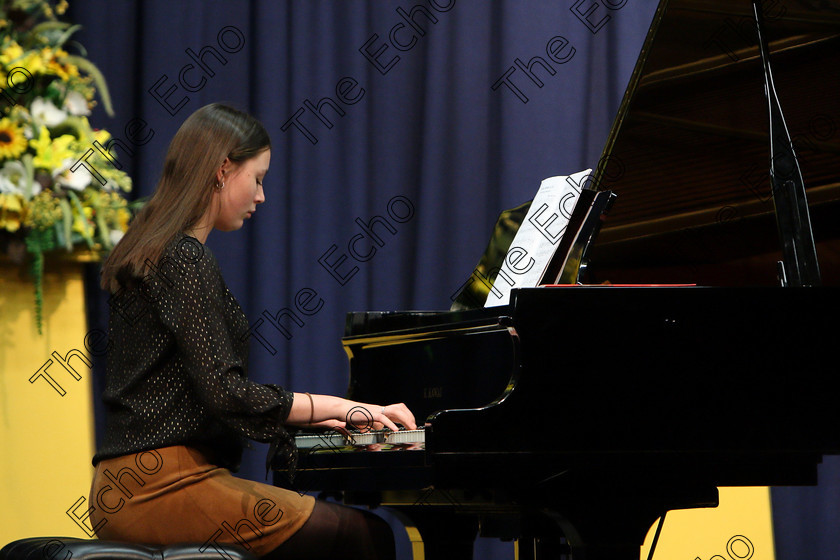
{"x":177,"y":364}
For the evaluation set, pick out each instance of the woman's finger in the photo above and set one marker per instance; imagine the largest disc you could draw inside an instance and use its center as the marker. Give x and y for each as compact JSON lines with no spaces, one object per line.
{"x":400,"y":413}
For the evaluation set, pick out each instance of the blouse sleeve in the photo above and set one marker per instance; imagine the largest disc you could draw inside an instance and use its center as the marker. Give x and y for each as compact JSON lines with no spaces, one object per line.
{"x":189,"y":301}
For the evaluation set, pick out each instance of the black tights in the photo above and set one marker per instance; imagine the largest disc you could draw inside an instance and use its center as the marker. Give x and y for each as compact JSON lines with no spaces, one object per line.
{"x":335,"y":531}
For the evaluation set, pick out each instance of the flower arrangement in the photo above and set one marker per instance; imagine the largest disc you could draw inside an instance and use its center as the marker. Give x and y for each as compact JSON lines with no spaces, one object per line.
{"x":48,"y":200}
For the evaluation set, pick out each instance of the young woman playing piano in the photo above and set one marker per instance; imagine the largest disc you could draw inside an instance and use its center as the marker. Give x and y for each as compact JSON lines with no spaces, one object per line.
{"x":178,"y":403}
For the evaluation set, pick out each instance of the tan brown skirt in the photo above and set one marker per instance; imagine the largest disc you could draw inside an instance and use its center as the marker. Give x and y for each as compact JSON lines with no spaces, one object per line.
{"x":175,"y":495}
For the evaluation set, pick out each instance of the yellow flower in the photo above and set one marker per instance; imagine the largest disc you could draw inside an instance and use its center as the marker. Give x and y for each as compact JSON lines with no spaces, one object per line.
{"x":101,"y":136}
{"x":12,"y":141}
{"x":56,"y":64}
{"x":10,"y":53}
{"x":11,"y":209}
{"x":113,"y":207}
{"x":33,"y":63}
{"x":83,"y":224}
{"x":50,"y":153}
{"x":44,"y":211}
{"x":57,"y":69}
{"x":123,"y":217}
{"x":115,"y":178}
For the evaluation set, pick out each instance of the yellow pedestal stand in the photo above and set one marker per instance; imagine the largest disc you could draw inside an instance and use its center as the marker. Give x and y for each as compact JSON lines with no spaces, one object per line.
{"x":46,"y":437}
{"x":740,"y":528}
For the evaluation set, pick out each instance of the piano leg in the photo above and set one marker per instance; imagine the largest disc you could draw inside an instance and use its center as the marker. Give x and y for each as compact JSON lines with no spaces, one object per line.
{"x":438,"y":534}
{"x":541,"y":539}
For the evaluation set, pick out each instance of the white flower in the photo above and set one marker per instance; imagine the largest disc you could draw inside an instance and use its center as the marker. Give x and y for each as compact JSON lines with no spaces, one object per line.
{"x":115,"y":235}
{"x":76,"y":104}
{"x":76,"y":180}
{"x":45,"y":113}
{"x":13,"y":180}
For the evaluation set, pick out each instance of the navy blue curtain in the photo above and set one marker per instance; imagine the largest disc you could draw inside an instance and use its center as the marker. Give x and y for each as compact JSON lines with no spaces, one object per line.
{"x":400,"y":130}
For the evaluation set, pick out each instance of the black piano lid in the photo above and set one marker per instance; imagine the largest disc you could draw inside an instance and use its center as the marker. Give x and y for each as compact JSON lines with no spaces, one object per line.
{"x":689,"y":148}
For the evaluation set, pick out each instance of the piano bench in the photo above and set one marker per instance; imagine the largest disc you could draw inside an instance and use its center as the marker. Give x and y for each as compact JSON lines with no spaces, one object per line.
{"x":65,"y":548}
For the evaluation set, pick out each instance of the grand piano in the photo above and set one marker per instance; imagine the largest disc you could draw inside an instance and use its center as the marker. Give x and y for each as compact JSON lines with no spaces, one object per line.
{"x":573,"y":417}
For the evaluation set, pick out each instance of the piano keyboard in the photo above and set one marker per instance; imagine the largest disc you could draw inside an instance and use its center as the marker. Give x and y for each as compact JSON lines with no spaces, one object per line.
{"x":336,"y":439}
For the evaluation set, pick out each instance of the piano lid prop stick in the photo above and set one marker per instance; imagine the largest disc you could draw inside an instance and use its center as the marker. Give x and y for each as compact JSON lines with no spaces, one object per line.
{"x":800,"y":267}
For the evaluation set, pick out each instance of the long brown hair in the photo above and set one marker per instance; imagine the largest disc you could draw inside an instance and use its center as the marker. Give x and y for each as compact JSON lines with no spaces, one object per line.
{"x":185,"y":188}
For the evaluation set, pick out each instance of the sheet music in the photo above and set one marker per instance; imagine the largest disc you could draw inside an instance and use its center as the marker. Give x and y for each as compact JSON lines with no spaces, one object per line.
{"x":538,"y":236}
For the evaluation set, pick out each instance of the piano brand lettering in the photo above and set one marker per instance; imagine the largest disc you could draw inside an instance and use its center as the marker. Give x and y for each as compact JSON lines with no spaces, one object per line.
{"x":738,"y":547}
{"x":19,"y":86}
{"x":361,"y":247}
{"x":403,"y":37}
{"x":147,"y":462}
{"x":432,"y":392}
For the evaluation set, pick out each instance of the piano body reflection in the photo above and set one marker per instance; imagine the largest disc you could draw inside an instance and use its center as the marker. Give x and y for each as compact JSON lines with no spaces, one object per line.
{"x":586,"y":412}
